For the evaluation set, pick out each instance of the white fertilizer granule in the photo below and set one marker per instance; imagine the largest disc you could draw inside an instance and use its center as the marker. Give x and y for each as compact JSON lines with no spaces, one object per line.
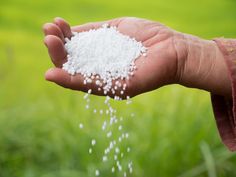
{"x":81,"y":126}
{"x":97,"y":173}
{"x":104,"y":52}
{"x":105,"y":56}
{"x":93,"y":142}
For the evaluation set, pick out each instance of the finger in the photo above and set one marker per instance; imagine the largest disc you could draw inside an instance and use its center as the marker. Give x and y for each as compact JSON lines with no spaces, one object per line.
{"x":96,"y":25}
{"x":64,"y":26}
{"x":56,"y":50}
{"x":75,"y":82}
{"x":88,"y":26}
{"x":52,"y":29}
{"x":59,"y":76}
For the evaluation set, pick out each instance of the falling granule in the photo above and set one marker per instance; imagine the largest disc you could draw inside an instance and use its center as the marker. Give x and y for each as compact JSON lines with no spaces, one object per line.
{"x":119,"y":167}
{"x":130,"y":170}
{"x":113,"y":169}
{"x":125,"y":174}
{"x":111,"y":145}
{"x":123,"y":135}
{"x":117,"y":150}
{"x":81,"y":125}
{"x":109,"y":134}
{"x":86,"y":96}
{"x":104,"y":125}
{"x":120,"y":127}
{"x":93,"y":142}
{"x":87,"y":106}
{"x":89,"y":91}
{"x":130,"y":167}
{"x":104,"y":57}
{"x":104,"y":158}
{"x":97,"y":173}
{"x":101,"y":111}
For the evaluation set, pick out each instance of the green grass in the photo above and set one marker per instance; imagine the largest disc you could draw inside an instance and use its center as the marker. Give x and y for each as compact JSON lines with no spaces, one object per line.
{"x":174,"y":132}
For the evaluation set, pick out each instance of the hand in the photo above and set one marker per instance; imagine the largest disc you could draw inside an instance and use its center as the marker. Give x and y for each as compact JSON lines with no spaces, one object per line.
{"x":172,"y":57}
{"x":158,"y":68}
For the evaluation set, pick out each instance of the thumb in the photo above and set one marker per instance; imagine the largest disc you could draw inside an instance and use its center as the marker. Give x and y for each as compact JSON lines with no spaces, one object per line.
{"x":59,"y":76}
{"x":62,"y":78}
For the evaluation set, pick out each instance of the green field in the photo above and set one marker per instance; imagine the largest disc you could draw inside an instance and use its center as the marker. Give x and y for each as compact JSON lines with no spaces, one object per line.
{"x":173,"y":133}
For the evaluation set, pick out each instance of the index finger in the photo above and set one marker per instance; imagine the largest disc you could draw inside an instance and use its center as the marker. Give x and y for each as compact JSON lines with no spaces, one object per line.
{"x":88,"y":26}
{"x":96,"y":25}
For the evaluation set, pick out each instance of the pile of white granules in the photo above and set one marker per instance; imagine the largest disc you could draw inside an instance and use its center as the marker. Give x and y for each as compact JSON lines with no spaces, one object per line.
{"x":105,"y":57}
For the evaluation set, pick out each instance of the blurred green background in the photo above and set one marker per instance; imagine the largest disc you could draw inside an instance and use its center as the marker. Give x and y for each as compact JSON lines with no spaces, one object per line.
{"x":173,"y":134}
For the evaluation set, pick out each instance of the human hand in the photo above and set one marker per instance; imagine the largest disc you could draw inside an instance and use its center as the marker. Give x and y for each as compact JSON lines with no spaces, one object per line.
{"x":172,"y":57}
{"x":155,"y":70}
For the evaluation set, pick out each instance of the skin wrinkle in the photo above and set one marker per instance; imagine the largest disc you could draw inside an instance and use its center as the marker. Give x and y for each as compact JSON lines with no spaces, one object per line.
{"x":194,"y":58}
{"x":74,"y":80}
{"x":201,"y":57}
{"x":180,"y":53}
{"x":66,"y":32}
{"x":184,"y":66}
{"x":155,"y":29}
{"x":117,"y":22}
{"x":176,"y":79}
{"x":51,"y":28}
{"x":212,"y":65}
{"x":159,"y":37}
{"x":146,"y":40}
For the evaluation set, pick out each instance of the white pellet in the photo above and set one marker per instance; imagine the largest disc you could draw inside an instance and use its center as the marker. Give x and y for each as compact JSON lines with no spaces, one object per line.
{"x":120,"y":127}
{"x":109,"y":134}
{"x":104,"y":158}
{"x":89,"y":91}
{"x":97,"y":173}
{"x":93,"y":142}
{"x":122,"y":155}
{"x":81,"y":125}
{"x":125,"y":174}
{"x":101,"y":111}
{"x":113,"y":169}
{"x":117,"y":150}
{"x":86,"y":96}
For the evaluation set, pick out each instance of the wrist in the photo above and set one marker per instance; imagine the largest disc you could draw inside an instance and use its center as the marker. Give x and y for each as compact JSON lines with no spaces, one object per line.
{"x":202,"y":66}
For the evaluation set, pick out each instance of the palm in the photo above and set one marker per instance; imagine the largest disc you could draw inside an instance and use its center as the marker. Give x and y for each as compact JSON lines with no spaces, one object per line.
{"x":156,"y":69}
